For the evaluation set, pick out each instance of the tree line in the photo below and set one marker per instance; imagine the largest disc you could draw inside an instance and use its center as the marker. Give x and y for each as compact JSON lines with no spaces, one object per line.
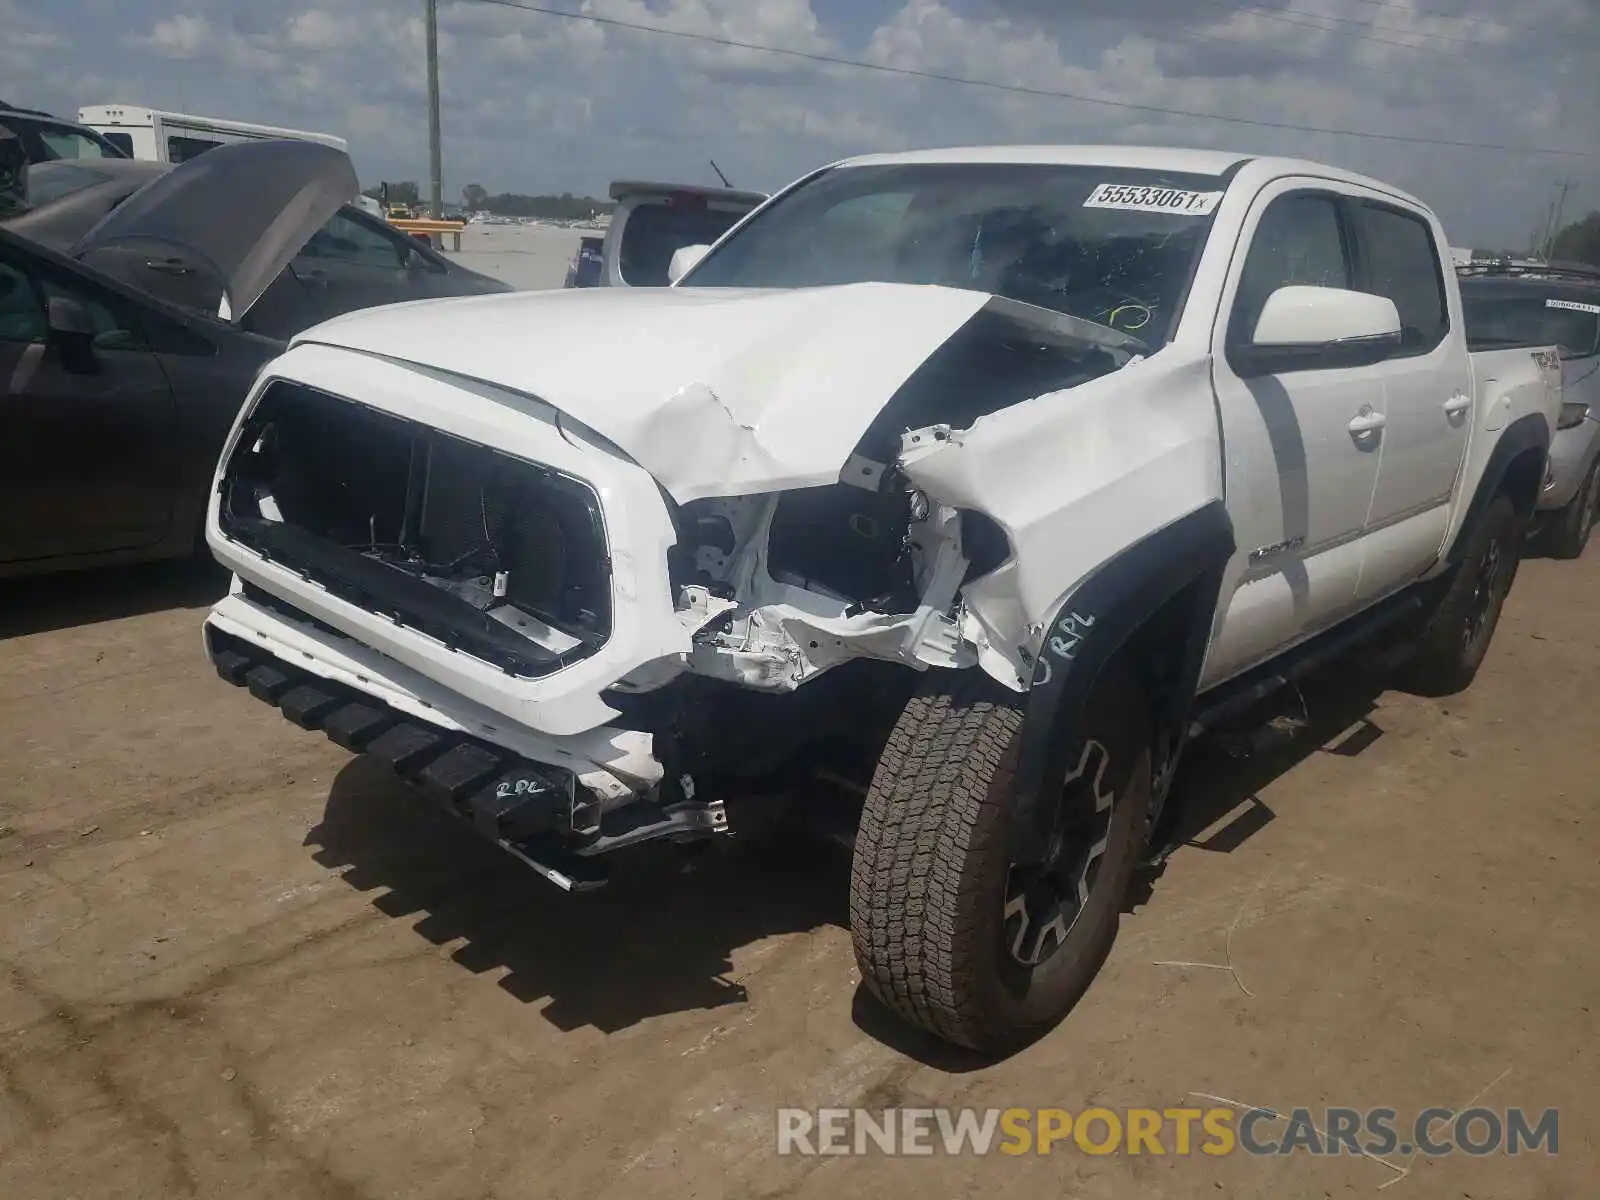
{"x":1578,"y":242}
{"x":476,"y":198}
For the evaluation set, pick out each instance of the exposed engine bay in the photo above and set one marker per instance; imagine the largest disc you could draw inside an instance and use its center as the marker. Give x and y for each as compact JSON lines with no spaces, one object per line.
{"x":781,"y":586}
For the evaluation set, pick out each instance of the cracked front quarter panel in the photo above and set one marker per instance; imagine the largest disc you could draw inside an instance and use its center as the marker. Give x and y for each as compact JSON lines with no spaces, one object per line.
{"x":714,"y":391}
{"x":1073,"y":479}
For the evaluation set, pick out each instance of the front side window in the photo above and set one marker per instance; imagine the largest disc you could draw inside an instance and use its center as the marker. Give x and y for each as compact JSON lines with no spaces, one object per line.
{"x":345,"y":240}
{"x":22,"y":316}
{"x":24,"y":312}
{"x":115,"y":328}
{"x":1298,"y":242}
{"x":1398,"y":260}
{"x":1105,"y":244}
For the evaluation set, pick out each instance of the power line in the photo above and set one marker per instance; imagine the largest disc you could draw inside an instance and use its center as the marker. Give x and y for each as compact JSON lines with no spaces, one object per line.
{"x":1452,"y":15}
{"x":1194,"y":35}
{"x":1429,"y":34}
{"x":1019,"y":89}
{"x":1446,"y":41}
{"x":1284,"y":19}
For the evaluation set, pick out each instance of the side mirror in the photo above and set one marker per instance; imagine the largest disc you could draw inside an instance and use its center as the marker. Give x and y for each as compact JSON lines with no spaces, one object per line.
{"x":415,"y":259}
{"x":684,"y":260}
{"x":72,"y":333}
{"x":1315,"y":328}
{"x":69,"y":318}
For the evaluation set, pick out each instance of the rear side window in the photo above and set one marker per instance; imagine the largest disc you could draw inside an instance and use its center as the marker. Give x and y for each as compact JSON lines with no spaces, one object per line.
{"x":1399,"y":260}
{"x":182,"y":149}
{"x":653,"y":233}
{"x":1498,"y":318}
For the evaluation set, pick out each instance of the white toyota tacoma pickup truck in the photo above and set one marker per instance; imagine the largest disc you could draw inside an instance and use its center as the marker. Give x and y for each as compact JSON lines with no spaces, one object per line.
{"x":1004,"y":469}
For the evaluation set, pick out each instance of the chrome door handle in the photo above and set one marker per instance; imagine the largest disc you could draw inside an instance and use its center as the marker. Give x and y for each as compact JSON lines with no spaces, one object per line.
{"x":1457,"y":404}
{"x":1366,"y":421}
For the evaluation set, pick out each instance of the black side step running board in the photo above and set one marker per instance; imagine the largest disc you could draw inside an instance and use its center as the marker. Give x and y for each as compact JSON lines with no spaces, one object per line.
{"x":1240,"y":695}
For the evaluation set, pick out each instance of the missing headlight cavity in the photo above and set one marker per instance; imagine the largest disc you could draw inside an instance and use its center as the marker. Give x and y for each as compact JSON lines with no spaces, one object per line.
{"x":495,"y":556}
{"x":853,"y":541}
{"x":845,"y":541}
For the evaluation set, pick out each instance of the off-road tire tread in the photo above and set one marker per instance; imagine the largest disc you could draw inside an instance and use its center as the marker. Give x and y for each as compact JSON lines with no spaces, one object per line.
{"x":920,"y":844}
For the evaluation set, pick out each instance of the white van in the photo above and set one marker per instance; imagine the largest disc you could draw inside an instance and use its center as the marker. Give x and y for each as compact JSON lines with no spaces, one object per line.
{"x":156,"y":136}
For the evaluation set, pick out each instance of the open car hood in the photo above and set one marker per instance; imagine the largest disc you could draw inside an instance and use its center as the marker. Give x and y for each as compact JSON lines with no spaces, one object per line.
{"x":714,"y":391}
{"x":240,"y":211}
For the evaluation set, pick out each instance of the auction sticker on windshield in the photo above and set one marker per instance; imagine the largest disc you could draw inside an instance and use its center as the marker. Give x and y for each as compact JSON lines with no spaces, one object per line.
{"x":1573,"y":306}
{"x":1153,"y":199}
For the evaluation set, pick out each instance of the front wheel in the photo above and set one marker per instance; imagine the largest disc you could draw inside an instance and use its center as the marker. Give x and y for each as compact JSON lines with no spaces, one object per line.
{"x":949,"y":934}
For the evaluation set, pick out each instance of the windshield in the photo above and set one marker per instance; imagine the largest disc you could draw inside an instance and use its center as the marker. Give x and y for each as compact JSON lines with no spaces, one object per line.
{"x":1113,"y":246}
{"x":1533,"y":318}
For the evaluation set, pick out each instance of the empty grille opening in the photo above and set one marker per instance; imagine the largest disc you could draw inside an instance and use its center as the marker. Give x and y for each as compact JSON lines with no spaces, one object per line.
{"x":494,"y":556}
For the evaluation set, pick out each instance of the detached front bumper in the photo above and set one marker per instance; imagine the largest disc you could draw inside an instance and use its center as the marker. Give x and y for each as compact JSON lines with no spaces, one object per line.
{"x":555,"y":803}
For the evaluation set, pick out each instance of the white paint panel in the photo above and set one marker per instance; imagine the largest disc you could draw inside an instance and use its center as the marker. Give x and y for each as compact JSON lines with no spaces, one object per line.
{"x":715,"y":391}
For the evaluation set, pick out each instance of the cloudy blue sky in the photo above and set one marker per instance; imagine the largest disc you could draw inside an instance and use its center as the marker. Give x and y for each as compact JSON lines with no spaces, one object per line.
{"x":535,"y":103}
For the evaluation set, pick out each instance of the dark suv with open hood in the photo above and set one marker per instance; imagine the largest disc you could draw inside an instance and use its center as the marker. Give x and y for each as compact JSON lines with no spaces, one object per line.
{"x":130,"y":335}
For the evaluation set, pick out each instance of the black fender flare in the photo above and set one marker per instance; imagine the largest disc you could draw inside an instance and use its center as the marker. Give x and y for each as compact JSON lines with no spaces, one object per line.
{"x":1088,"y":630}
{"x":1528,"y":432}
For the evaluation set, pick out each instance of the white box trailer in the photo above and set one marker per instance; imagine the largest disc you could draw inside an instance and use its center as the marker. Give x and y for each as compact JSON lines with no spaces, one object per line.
{"x":156,"y":136}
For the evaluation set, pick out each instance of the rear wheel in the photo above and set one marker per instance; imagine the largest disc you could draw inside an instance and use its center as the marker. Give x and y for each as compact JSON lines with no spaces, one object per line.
{"x":1457,"y":635}
{"x":948,"y":932}
{"x":1569,"y":529}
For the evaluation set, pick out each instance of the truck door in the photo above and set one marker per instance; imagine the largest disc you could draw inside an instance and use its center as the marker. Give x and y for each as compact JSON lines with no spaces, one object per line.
{"x":1428,"y":391}
{"x":1300,"y":468}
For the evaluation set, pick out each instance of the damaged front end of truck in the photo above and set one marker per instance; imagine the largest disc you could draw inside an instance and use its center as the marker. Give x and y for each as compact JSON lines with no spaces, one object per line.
{"x":587,"y":611}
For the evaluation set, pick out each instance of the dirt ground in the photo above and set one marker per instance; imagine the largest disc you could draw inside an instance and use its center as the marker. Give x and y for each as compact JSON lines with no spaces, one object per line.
{"x":236,"y":963}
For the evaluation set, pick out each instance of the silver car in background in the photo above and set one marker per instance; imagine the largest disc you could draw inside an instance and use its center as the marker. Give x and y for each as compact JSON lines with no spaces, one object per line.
{"x":1556,"y":304}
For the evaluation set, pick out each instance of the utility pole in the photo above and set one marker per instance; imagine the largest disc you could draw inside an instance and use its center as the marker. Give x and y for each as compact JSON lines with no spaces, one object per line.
{"x":1562,"y":188}
{"x":435,"y":158}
